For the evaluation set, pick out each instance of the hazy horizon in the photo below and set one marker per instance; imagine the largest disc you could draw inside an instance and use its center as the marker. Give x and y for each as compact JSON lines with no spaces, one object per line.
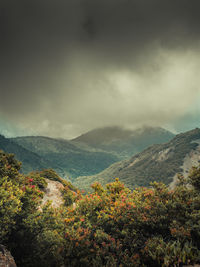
{"x":68,"y":67}
{"x":12,"y":132}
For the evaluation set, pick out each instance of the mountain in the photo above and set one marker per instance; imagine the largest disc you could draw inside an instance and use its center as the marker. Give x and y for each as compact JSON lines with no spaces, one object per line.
{"x":123,"y":142}
{"x":31,"y":161}
{"x":90,"y":153}
{"x":66,"y":158}
{"x":160,"y":162}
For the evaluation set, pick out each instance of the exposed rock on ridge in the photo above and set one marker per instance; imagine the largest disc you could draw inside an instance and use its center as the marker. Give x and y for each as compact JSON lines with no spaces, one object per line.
{"x":53,"y":193}
{"x":6,"y":259}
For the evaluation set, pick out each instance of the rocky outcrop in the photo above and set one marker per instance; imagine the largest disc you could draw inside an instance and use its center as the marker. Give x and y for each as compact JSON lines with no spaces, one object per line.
{"x":191,"y":159}
{"x":53,"y":193}
{"x":6,"y":259}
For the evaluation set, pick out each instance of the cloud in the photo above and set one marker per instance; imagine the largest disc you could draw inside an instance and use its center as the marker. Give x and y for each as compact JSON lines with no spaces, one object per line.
{"x":70,"y":66}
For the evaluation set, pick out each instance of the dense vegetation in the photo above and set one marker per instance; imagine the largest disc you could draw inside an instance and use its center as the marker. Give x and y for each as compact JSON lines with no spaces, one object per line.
{"x":159,"y":162}
{"x":152,"y":226}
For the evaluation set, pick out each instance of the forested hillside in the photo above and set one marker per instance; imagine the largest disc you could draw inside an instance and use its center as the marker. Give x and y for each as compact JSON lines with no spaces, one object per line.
{"x":159,"y":162}
{"x":31,"y":161}
{"x":67,"y":159}
{"x":92,"y":152}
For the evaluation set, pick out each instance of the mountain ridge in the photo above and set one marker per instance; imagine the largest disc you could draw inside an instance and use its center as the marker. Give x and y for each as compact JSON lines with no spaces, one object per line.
{"x":158,"y":162}
{"x":31,"y":161}
{"x":124,"y":142}
{"x":72,"y":159}
{"x":67,"y":159}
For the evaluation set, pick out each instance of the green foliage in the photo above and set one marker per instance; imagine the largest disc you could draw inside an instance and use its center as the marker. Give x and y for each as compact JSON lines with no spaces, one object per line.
{"x":146,"y":227}
{"x":171,"y":253}
{"x":9,"y":166}
{"x":39,"y":239}
{"x":113,"y":226}
{"x":10,"y":206}
{"x":194,"y":178}
{"x":37,"y":179}
{"x":52,"y":175}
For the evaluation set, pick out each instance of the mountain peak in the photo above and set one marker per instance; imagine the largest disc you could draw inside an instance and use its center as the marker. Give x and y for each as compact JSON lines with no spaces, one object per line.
{"x":113,"y":133}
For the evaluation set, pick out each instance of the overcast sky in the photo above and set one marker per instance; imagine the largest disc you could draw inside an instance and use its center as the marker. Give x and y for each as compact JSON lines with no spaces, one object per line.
{"x":68,"y":66}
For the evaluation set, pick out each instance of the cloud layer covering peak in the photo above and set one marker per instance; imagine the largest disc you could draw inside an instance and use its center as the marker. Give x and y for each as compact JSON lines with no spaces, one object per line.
{"x":70,"y":66}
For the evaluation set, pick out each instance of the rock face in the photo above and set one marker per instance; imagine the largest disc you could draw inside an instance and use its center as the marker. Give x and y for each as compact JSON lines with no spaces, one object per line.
{"x":53,"y":193}
{"x":6,"y":259}
{"x":191,"y":159}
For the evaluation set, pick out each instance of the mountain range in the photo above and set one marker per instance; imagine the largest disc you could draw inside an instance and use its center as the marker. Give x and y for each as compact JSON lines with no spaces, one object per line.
{"x":85,"y":155}
{"x":67,"y":159}
{"x":136,"y":157}
{"x":159,"y":162}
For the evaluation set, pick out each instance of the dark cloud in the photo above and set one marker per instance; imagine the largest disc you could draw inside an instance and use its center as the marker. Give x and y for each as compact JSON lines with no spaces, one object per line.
{"x":67,"y":63}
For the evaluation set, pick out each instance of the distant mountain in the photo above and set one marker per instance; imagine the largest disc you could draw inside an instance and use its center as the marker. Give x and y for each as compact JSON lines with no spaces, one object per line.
{"x":160,"y":162}
{"x":66,"y":158}
{"x":90,"y":153}
{"x":123,"y":142}
{"x":31,"y":161}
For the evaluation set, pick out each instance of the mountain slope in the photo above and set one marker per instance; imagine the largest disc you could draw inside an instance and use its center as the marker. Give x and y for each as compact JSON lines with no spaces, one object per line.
{"x":123,"y":142}
{"x":66,"y":158}
{"x":158,"y":162}
{"x":92,"y":152}
{"x":31,"y":161}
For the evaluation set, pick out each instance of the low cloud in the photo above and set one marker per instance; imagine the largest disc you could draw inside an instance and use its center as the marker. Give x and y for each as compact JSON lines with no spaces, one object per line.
{"x":68,"y":67}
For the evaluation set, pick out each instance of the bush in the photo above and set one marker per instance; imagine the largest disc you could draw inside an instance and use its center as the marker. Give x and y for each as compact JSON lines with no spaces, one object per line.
{"x":152,"y":226}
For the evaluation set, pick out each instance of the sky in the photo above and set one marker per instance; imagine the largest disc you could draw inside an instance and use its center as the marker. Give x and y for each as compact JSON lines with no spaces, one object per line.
{"x":67,"y":67}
